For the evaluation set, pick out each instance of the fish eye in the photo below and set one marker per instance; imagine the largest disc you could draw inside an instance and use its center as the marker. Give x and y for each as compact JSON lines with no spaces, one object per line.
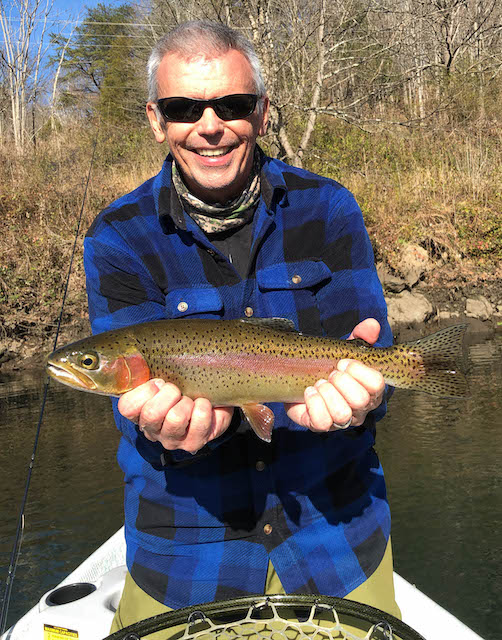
{"x":89,"y":361}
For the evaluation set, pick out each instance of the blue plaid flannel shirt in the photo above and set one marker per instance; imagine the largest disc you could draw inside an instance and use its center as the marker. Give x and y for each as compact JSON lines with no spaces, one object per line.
{"x":196,"y":526}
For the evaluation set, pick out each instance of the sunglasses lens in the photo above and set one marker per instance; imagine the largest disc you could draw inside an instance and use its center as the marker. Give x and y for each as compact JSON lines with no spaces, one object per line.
{"x":235,"y":107}
{"x":181,"y":109}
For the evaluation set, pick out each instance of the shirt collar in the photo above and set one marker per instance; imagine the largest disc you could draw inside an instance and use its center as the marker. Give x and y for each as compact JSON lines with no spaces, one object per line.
{"x":170,"y":210}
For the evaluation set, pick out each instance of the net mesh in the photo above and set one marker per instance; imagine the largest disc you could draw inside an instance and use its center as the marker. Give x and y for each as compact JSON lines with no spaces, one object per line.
{"x":268,"y":621}
{"x":276,"y":617}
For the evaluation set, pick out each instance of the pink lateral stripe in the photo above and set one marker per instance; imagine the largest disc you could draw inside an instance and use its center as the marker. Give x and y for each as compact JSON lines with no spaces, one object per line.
{"x":257,"y":363}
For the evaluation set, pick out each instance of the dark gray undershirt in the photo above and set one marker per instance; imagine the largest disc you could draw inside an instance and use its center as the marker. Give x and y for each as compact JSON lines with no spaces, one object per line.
{"x":235,"y":244}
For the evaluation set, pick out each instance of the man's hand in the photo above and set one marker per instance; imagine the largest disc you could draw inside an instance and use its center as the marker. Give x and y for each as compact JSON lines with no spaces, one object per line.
{"x":350,"y":392}
{"x":177,"y":422}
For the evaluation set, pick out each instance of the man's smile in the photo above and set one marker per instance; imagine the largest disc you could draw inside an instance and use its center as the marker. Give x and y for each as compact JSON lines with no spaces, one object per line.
{"x":212,"y":152}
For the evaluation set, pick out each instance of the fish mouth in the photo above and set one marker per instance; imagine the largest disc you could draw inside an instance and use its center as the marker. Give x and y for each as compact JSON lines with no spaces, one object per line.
{"x":70,"y":378}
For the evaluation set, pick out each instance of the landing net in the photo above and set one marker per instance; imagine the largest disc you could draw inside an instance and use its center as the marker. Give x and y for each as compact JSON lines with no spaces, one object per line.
{"x":272,"y":618}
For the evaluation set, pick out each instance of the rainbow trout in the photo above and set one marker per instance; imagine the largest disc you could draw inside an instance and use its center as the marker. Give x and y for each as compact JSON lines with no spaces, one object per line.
{"x":245,"y":363}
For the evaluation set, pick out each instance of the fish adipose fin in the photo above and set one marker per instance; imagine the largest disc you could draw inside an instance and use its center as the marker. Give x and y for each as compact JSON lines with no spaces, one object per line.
{"x":441,"y":354}
{"x":261,"y":419}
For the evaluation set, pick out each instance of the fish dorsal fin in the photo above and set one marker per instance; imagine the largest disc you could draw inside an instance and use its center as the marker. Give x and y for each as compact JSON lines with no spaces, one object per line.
{"x":261,"y":419}
{"x":279,"y":324}
{"x":359,"y":342}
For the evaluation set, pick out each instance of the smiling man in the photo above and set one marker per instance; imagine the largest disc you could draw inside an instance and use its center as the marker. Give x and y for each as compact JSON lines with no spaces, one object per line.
{"x":213,"y":154}
{"x":223,"y":231}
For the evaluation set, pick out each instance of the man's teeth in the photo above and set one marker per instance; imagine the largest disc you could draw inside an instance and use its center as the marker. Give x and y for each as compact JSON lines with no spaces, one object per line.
{"x":213,"y":152}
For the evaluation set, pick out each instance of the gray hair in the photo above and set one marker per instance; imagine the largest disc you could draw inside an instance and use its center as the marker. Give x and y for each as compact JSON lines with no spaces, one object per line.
{"x":202,"y":38}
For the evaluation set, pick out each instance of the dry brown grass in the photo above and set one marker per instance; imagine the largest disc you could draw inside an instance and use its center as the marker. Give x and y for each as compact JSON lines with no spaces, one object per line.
{"x":438,"y":189}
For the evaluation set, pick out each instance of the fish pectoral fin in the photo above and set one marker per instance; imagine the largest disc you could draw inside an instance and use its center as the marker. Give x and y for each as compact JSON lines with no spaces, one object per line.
{"x":261,"y":419}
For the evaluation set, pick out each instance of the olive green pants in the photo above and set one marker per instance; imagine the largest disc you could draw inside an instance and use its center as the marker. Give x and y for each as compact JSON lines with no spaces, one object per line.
{"x":377,"y":591}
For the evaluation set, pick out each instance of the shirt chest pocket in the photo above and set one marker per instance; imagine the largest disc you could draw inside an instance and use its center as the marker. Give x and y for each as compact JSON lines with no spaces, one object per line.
{"x":293,"y":288}
{"x":199,"y":301}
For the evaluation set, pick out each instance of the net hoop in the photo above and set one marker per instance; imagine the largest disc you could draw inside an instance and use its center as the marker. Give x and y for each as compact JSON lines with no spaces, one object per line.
{"x":223,"y":615}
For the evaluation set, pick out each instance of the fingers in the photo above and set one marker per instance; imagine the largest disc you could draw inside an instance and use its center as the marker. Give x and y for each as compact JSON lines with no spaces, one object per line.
{"x":350,"y":392}
{"x":164,"y":415}
{"x":327,"y":406}
{"x":361,"y":387}
{"x":132,"y":403}
{"x":367,"y":330}
{"x":186,"y":426}
{"x":191,"y":424}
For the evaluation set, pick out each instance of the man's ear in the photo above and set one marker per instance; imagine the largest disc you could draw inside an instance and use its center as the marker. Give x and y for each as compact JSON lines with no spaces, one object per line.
{"x":264,"y":116}
{"x":155,"y":123}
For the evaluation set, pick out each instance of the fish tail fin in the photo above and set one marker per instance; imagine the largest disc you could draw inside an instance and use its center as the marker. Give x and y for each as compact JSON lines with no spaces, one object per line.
{"x":441,"y":355}
{"x":261,"y":419}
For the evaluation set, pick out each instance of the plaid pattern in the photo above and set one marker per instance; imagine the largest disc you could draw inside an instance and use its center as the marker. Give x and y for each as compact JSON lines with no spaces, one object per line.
{"x":196,"y":526}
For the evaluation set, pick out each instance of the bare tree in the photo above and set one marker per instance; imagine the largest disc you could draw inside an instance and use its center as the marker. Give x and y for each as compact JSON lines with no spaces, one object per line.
{"x":353,"y":59}
{"x":21,"y":57}
{"x":320,"y":58}
{"x":449,"y":38}
{"x":56,"y":79}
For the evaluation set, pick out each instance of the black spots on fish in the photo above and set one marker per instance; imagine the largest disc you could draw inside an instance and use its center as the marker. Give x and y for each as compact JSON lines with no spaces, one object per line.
{"x":443,"y":382}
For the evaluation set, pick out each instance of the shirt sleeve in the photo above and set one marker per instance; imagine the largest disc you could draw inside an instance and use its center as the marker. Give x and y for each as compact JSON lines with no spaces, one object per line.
{"x":122,"y":292}
{"x":350,"y":256}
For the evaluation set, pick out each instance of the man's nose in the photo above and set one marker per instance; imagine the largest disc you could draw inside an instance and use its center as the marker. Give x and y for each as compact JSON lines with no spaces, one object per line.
{"x":209,"y":123}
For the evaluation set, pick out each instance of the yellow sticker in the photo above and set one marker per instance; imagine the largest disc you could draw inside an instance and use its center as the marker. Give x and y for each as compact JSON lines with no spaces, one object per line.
{"x":58,"y":633}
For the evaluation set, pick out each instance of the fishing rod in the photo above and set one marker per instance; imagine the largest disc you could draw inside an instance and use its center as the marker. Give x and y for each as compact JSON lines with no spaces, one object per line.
{"x":16,"y":548}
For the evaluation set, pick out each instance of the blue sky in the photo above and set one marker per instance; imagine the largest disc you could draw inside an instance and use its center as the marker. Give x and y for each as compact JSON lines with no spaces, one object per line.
{"x":75,"y":7}
{"x":75,"y":10}
{"x":64,"y":15}
{"x":62,"y":12}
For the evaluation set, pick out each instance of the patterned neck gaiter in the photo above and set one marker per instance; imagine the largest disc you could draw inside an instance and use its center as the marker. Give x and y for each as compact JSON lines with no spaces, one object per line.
{"x":213,"y":218}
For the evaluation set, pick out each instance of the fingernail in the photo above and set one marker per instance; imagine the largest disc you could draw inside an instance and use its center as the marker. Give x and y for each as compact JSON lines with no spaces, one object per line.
{"x":320,"y":382}
{"x":333,"y":375}
{"x":310,"y":391}
{"x":159,"y":383}
{"x":343,"y":364}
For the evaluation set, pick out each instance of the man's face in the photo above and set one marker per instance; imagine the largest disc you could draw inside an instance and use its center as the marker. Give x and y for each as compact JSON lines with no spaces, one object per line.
{"x":214,"y":156}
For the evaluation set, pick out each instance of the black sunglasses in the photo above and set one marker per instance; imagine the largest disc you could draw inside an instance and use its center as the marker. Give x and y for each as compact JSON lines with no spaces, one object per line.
{"x":232,"y":107}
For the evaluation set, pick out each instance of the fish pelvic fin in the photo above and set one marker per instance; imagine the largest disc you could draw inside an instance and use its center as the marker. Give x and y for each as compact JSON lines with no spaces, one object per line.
{"x":261,"y":419}
{"x":442,"y":355}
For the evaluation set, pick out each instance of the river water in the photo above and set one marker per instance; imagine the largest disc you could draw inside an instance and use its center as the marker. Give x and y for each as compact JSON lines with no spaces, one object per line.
{"x":442,"y":460}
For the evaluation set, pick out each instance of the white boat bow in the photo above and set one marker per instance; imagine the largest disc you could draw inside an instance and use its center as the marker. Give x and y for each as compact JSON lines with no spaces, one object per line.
{"x":99,"y":580}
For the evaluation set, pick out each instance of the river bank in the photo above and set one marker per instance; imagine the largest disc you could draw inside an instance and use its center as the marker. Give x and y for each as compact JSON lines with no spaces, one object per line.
{"x":431,"y":201}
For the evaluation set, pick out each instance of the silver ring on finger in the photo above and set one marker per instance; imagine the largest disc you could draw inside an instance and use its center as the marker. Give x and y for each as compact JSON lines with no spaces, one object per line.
{"x":342,"y":426}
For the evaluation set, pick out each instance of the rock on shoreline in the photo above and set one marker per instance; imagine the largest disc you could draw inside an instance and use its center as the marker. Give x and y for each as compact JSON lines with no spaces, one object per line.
{"x":410,"y":312}
{"x":411,"y":303}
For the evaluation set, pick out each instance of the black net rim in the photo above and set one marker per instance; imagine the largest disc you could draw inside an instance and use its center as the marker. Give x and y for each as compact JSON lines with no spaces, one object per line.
{"x":242,"y":605}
